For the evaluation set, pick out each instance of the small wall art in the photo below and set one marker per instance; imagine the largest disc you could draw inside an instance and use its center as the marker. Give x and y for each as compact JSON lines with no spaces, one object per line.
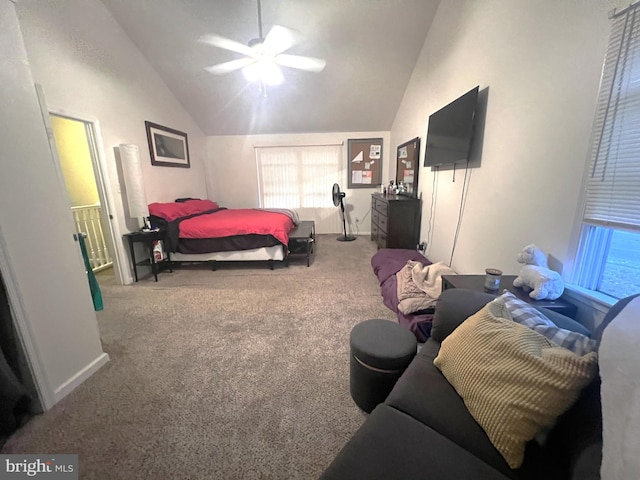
{"x":168,"y":147}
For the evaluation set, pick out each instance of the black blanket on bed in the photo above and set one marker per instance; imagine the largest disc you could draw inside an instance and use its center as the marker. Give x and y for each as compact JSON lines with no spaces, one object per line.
{"x":172,"y":228}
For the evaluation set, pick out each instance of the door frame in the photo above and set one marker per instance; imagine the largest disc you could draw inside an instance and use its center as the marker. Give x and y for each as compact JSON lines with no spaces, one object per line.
{"x":46,"y":398}
{"x":100,"y":170}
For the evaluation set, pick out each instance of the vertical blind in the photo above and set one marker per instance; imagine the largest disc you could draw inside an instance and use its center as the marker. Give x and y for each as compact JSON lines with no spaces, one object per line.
{"x":613,"y":185}
{"x":300,"y":178}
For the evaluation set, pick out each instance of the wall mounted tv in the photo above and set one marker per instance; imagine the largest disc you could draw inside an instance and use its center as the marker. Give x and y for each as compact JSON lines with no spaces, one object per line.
{"x":450,"y":131}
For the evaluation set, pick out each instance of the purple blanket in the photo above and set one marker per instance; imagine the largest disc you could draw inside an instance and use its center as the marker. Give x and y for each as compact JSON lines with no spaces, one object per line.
{"x":386,"y":262}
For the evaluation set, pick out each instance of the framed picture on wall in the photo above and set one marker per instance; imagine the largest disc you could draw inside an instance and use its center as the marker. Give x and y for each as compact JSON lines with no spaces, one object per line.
{"x":408,"y":167}
{"x":365,"y":162}
{"x":168,"y":147}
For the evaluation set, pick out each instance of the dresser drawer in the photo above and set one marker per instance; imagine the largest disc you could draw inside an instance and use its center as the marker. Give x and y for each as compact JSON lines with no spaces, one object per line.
{"x":375,"y":217}
{"x":382,"y":240}
{"x":380,"y":206}
{"x":382,"y":223}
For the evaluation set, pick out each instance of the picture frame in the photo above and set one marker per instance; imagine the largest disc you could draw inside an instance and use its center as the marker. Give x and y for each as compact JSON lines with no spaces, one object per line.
{"x":167,"y":147}
{"x":364,"y":162}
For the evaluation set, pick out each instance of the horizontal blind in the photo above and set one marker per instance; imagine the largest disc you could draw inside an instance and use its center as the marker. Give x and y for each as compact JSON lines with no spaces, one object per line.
{"x":613,"y":187}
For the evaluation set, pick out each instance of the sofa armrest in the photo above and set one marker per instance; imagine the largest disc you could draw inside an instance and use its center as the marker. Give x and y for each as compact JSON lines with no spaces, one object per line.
{"x":453,"y":307}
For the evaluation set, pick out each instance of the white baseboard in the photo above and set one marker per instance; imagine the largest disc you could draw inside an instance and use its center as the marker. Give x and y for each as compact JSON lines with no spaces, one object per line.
{"x":70,"y":385}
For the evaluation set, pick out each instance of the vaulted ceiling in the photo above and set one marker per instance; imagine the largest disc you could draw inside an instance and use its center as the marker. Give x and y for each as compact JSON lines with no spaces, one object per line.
{"x":371,"y":47}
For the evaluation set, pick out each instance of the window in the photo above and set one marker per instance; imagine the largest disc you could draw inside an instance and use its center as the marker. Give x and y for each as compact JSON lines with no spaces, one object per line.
{"x":301,"y":178}
{"x":608,"y":255}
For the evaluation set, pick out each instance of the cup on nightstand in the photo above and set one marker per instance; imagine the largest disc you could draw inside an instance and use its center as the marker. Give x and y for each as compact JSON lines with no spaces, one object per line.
{"x":492,"y":280}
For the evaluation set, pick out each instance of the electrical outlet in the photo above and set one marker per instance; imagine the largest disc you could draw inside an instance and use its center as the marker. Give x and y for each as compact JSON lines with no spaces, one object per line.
{"x":421,"y":246}
{"x":357,"y":220}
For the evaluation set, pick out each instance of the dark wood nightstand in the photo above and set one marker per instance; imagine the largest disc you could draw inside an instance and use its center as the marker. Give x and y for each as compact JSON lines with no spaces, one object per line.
{"x":148,"y":237}
{"x":304,"y":235}
{"x":476,"y":282}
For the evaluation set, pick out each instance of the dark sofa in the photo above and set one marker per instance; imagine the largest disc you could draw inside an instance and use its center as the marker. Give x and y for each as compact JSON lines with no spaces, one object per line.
{"x":424,"y":430}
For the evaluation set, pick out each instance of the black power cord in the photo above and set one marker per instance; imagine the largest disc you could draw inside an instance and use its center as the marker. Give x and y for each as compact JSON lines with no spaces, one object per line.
{"x":463,"y":199}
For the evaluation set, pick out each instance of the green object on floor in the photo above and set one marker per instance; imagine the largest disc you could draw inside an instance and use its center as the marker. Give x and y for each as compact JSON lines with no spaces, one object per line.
{"x":96,"y":294}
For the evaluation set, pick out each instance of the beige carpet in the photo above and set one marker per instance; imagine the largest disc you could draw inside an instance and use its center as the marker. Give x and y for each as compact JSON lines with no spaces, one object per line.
{"x":241,"y":373}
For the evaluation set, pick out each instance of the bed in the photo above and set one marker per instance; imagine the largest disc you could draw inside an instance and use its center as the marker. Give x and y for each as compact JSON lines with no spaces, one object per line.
{"x":202,"y":231}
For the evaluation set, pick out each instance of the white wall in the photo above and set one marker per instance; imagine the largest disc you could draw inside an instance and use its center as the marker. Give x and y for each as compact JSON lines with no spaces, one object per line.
{"x":232,"y":173}
{"x":539,"y":64}
{"x":41,"y":264}
{"x":89,"y":67}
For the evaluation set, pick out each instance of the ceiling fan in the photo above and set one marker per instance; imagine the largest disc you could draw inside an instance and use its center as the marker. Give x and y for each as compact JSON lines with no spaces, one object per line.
{"x":263,"y":55}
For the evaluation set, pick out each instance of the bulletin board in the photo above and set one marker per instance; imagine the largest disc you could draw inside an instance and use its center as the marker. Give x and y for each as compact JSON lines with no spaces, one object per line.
{"x":365,"y":162}
{"x":408,"y":166}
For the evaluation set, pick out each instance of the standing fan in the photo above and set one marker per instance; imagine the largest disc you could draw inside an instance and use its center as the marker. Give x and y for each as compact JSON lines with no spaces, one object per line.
{"x":337,"y":201}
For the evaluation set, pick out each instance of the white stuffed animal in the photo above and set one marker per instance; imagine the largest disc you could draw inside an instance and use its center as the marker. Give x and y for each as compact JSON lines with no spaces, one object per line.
{"x":532,"y":255}
{"x":545,"y":283}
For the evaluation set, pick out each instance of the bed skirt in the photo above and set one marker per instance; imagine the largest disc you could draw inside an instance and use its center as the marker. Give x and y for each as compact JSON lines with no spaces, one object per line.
{"x":275,"y":252}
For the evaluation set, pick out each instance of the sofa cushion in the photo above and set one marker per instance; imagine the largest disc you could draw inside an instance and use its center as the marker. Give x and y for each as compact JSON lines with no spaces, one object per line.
{"x":425,"y":394}
{"x":513,"y":380}
{"x":453,"y":307}
{"x":391,"y":444}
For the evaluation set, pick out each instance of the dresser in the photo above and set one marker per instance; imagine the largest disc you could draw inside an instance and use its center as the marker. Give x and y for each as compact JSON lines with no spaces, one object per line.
{"x":395,"y":221}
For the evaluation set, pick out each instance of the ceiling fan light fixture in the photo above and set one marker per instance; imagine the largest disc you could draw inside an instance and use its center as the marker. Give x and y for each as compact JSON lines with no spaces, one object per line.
{"x":263,"y":55}
{"x":264,"y":72}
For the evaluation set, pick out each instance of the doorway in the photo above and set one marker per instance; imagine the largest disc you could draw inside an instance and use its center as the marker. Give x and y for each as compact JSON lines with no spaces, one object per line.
{"x":75,"y":141}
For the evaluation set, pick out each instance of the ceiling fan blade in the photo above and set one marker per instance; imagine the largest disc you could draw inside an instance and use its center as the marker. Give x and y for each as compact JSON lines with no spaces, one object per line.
{"x":227,"y":67}
{"x":309,"y":64}
{"x":227,"y":44}
{"x":280,"y":39}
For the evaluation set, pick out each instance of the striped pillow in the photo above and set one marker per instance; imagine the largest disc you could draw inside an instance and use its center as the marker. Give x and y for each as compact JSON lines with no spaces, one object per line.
{"x":513,"y":380}
{"x":521,"y":312}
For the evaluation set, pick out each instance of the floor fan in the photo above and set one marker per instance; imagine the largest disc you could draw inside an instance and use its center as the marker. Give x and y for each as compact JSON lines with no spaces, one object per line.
{"x":337,"y":201}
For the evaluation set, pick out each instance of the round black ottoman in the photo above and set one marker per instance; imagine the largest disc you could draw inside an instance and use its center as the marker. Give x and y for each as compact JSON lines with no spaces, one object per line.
{"x":380,"y":352}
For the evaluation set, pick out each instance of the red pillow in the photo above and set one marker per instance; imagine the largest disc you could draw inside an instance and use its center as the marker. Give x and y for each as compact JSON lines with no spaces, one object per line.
{"x":173,"y":210}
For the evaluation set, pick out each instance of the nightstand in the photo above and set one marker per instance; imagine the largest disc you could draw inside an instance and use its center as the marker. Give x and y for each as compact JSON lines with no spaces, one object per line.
{"x":476,"y":282}
{"x":304,"y":235}
{"x":148,"y":237}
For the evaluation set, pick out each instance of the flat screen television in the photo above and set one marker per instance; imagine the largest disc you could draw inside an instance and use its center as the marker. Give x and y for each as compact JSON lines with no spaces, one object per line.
{"x":450,"y":131}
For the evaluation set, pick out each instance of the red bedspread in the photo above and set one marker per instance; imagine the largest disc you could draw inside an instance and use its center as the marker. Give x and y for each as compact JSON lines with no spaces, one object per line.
{"x":226,"y":223}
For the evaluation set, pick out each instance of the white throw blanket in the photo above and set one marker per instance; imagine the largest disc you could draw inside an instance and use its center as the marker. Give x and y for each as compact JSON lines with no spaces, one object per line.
{"x":429,"y":278}
{"x":292,"y":214}
{"x":418,"y":285}
{"x":620,"y":374}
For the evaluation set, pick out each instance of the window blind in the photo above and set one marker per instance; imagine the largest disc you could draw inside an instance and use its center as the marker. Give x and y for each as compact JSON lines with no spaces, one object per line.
{"x":613,"y":186}
{"x":301,"y":178}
